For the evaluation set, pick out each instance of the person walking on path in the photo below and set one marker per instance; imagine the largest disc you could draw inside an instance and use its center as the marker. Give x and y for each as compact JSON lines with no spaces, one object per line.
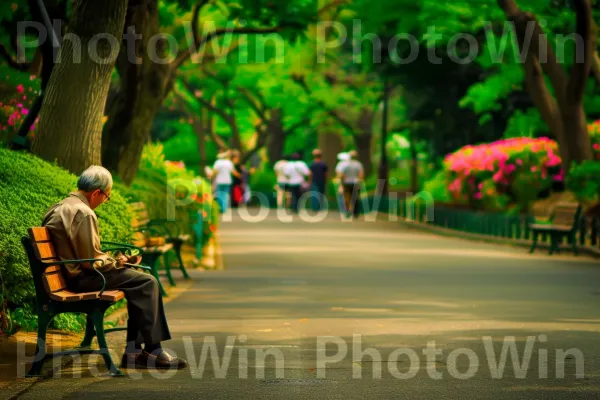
{"x":281,"y":187}
{"x":342,"y":160}
{"x":221,"y":173}
{"x":318,"y":171}
{"x":352,"y":175}
{"x":296,"y":172}
{"x":240,"y":177}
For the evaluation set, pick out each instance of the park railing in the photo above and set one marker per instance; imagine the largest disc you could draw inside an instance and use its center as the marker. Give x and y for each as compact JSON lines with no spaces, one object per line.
{"x":503,"y":226}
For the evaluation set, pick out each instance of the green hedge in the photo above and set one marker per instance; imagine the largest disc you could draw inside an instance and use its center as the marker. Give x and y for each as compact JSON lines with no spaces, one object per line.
{"x":28,"y":187}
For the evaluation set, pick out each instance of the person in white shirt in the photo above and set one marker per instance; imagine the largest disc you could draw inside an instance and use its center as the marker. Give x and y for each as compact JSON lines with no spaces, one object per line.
{"x":342,"y":160}
{"x":222,"y":171}
{"x":281,"y":187}
{"x":296,"y":172}
{"x":352,"y":175}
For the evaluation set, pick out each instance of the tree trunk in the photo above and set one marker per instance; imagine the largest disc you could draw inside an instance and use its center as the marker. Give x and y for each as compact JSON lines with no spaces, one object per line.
{"x":564,"y":113}
{"x":235,"y":141}
{"x":330,"y":144}
{"x":363,"y":140}
{"x":201,"y":133}
{"x":276,"y":138}
{"x":363,"y":147}
{"x":414,"y":164}
{"x":143,"y":88}
{"x":70,"y":126}
{"x":579,"y":148}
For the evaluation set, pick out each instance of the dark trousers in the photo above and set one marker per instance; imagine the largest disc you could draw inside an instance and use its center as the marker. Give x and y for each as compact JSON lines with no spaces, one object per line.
{"x":318,"y":196}
{"x":296,"y":192}
{"x":352,"y":198}
{"x":147,"y":322}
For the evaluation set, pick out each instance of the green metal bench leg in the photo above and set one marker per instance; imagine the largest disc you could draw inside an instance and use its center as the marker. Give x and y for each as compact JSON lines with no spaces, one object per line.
{"x":98,"y":318}
{"x":168,"y":269}
{"x":90,"y":333}
{"x":40,"y":348}
{"x":534,"y":243}
{"x":177,"y":247}
{"x":553,"y":243}
{"x":574,"y":243}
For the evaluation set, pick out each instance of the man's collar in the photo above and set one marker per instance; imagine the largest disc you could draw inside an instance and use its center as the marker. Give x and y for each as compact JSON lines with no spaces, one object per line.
{"x":80,"y":197}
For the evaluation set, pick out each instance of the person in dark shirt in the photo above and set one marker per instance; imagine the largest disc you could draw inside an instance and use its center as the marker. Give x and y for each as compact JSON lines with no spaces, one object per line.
{"x":318,"y":169}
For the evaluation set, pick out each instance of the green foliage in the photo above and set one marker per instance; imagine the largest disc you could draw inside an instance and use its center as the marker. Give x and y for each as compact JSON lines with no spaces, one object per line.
{"x":28,"y":187}
{"x":263,"y":180}
{"x":170,"y":191}
{"x":584,"y":181}
{"x":528,"y":124}
{"x":437,"y":187}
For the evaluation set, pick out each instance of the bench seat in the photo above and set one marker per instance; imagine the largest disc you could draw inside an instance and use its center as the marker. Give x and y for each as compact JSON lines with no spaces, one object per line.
{"x":107,"y":295}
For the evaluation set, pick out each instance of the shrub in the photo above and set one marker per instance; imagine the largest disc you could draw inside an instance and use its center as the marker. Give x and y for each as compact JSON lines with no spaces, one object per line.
{"x":584,"y":181}
{"x":513,"y":170}
{"x":28,"y":187}
{"x":151,"y":186}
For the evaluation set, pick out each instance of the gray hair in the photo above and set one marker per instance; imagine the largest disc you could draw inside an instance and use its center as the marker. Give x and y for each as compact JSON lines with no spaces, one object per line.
{"x":94,"y":178}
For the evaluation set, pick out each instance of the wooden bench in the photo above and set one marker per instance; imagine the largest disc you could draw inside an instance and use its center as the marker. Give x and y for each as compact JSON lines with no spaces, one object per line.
{"x":564,"y":222}
{"x":53,"y":298}
{"x":163,"y":227}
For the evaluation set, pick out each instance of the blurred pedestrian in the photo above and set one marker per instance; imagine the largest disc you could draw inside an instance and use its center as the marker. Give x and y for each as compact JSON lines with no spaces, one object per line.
{"x":296,"y":172}
{"x":221,"y":174}
{"x":281,"y":186}
{"x":339,"y":188}
{"x":318,"y":171}
{"x":352,"y":175}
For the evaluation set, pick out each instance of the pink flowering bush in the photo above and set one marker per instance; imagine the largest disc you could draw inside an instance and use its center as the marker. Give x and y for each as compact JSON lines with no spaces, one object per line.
{"x":509,"y":171}
{"x":17,"y":94}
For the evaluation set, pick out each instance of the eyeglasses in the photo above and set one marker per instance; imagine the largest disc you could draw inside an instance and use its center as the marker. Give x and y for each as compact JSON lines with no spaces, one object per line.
{"x":107,"y":196}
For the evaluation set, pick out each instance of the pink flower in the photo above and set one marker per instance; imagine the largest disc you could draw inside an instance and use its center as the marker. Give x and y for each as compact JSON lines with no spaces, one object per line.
{"x":533,"y":168}
{"x":24,"y":111}
{"x":596,"y":146}
{"x":478,"y":195}
{"x":20,"y":88}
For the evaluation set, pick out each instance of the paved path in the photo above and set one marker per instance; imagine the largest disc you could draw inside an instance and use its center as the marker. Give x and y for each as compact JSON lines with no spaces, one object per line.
{"x":299,"y":291}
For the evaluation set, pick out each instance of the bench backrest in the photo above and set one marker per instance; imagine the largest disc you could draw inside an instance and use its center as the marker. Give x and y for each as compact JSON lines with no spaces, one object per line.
{"x":46,"y":278}
{"x":566,"y":214}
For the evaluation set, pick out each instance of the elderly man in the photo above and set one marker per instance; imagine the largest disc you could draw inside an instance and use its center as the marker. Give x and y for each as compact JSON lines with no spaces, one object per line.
{"x":74,"y":229}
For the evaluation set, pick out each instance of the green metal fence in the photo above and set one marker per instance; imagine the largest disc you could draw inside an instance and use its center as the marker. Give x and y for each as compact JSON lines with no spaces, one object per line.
{"x":498,"y":225}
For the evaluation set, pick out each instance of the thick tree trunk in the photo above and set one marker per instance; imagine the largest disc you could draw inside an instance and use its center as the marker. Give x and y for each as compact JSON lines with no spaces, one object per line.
{"x":70,"y":127}
{"x":579,"y":141}
{"x":144,"y":86}
{"x":276,"y":138}
{"x":564,"y":113}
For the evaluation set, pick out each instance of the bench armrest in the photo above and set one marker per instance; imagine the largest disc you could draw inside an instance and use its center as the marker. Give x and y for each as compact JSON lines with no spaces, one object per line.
{"x":90,"y":260}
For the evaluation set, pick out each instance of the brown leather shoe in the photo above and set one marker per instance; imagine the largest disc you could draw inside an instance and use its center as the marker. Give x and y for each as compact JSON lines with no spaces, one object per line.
{"x":160,"y":359}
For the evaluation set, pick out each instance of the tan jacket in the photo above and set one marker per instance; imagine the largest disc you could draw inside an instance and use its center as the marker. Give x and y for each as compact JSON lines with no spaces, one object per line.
{"x":73,"y":226}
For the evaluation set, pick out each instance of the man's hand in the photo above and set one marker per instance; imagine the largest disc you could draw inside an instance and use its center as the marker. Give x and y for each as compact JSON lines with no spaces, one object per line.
{"x":122,"y":259}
